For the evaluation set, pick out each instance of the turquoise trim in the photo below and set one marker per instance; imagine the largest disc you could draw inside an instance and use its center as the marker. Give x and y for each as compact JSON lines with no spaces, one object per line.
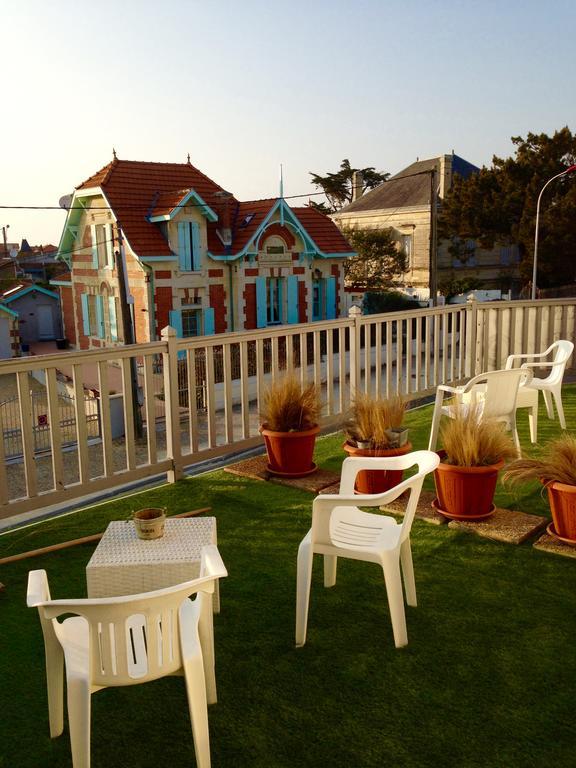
{"x":158,"y":258}
{"x":204,"y":208}
{"x":9,"y":311}
{"x":208,"y":321}
{"x":94,"y":246}
{"x":292,"y":298}
{"x":184,"y":247}
{"x":261,"y":303}
{"x":330,"y":283}
{"x":24,"y":291}
{"x":85,"y":314}
{"x":196,"y":258}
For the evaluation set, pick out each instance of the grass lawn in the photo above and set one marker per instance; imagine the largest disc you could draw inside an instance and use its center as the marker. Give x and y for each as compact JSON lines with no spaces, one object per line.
{"x":488,"y":677}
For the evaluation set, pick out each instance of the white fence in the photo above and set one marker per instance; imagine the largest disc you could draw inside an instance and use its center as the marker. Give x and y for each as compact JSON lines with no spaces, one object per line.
{"x":149,"y":423}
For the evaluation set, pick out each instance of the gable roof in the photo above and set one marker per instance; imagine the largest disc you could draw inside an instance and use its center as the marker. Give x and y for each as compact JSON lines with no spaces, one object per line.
{"x":142,"y":193}
{"x":409,"y":187}
{"x":18,"y":291}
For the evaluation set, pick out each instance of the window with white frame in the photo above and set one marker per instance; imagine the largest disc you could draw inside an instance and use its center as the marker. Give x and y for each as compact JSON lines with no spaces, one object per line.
{"x":105,"y":245}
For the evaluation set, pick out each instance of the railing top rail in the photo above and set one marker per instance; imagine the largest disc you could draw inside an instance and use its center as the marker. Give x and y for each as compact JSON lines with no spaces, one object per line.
{"x":57,"y":360}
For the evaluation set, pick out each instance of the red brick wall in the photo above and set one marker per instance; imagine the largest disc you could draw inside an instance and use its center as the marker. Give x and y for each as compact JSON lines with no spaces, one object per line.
{"x":82,"y":341}
{"x":215,"y":273}
{"x":302,"y":303}
{"x":298,"y":270}
{"x":217,"y":302}
{"x":250,"y":304}
{"x":163,"y":274}
{"x":141,"y":318}
{"x":163,"y":299}
{"x":251,"y":272}
{"x":67,"y":305}
{"x":280,"y":231}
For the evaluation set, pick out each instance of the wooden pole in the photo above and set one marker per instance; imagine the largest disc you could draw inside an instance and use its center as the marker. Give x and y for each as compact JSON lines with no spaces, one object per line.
{"x":83,"y":540}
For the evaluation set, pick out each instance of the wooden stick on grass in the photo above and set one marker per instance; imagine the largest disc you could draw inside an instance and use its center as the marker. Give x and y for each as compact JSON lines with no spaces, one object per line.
{"x":83,"y":540}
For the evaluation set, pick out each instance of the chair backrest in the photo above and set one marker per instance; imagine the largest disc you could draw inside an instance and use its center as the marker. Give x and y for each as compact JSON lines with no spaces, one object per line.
{"x":561,"y":354}
{"x":426,"y":461}
{"x":501,"y":390}
{"x":133,"y":638}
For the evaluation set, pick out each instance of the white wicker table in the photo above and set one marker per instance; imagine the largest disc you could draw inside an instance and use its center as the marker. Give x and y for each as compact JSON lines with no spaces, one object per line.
{"x":123,"y":564}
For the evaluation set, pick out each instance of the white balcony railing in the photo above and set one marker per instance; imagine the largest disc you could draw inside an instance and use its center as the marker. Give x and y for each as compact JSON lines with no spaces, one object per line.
{"x":68,"y":424}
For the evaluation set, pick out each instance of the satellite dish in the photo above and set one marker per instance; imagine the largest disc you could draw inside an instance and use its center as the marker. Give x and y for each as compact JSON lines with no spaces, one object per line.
{"x":65,"y":201}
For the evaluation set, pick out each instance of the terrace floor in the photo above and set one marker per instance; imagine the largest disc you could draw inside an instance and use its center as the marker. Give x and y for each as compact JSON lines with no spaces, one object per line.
{"x":488,"y":677}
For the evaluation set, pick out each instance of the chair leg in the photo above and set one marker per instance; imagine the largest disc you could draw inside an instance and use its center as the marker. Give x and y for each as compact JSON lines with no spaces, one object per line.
{"x":533,"y":422}
{"x":79,"y":705}
{"x":434,"y":429}
{"x":408,"y":573}
{"x":548,"y":401}
{"x":330,"y":564}
{"x":206,"y":635}
{"x":55,"y":686}
{"x":559,"y":407}
{"x":196,"y":692}
{"x":304,"y":579}
{"x":516,"y":438}
{"x":391,"y":568}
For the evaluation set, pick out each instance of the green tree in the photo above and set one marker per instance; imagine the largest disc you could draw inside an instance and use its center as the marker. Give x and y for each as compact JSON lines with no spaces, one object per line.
{"x":338,"y":186}
{"x":497,"y":206}
{"x":379,"y":261}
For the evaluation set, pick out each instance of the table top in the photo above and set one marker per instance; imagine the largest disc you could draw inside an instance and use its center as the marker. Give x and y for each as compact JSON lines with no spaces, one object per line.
{"x":182,"y":541}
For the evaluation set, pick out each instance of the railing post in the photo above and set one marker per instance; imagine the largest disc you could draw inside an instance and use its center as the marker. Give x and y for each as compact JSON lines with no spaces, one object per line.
{"x":471,"y":320}
{"x":354,"y":313}
{"x":170,"y":367}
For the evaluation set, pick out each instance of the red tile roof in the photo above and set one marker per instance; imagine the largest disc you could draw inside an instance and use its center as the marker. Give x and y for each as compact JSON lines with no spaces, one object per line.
{"x":138,"y":190}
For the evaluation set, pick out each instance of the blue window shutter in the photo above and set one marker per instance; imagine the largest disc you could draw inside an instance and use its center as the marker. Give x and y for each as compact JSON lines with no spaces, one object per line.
{"x":175,"y":320}
{"x":261,"y":301}
{"x":85,"y":314}
{"x":100,"y":317}
{"x":330,"y":298}
{"x":208,"y":321}
{"x":292,"y":299}
{"x":196,"y":248}
{"x":112,"y":316}
{"x":184,"y":252}
{"x":94,"y":246}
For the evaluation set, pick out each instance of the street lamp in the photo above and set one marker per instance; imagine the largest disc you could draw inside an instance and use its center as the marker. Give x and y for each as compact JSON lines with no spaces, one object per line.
{"x":534,"y":268}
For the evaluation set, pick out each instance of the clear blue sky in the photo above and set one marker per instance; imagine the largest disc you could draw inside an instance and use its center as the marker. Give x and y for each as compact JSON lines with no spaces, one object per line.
{"x":245,"y":86}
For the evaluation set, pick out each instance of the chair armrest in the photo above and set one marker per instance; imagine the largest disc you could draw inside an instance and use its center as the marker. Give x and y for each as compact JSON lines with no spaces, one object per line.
{"x":38,"y":591}
{"x":451,"y":390}
{"x":543,"y":364}
{"x":510,"y":359}
{"x":212,"y":563}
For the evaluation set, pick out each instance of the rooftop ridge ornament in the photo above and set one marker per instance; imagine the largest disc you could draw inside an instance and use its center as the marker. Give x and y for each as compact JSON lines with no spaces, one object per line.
{"x":113,"y":154}
{"x":188,"y":160}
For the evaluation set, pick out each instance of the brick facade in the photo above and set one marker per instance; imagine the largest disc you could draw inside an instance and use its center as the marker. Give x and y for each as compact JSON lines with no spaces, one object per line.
{"x":218,"y":303}
{"x":249,"y":296}
{"x":163,"y":301}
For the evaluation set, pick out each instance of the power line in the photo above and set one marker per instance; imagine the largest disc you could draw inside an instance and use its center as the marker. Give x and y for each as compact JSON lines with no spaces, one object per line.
{"x":138,"y":207}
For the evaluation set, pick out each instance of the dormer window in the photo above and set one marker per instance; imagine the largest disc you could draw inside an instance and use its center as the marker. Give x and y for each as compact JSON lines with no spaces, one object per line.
{"x":189,"y":246}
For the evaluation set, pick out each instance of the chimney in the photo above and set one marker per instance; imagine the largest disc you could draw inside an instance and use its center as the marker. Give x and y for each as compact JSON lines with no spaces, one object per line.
{"x":445,"y":180}
{"x":357,"y":185}
{"x":224,"y":229}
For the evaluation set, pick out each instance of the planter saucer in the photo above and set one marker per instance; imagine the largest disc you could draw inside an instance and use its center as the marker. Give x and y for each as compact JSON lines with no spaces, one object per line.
{"x":271,"y":471}
{"x":552,"y":531}
{"x":463,"y":518}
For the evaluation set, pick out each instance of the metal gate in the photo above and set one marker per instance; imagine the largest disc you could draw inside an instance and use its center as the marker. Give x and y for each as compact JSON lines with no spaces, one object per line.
{"x":11,"y":424}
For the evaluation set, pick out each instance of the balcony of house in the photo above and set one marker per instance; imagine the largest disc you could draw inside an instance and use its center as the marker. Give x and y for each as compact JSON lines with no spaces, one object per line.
{"x":487,"y":677}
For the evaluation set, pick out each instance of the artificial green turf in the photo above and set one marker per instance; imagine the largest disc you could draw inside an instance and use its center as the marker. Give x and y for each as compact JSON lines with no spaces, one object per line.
{"x":488,"y":677}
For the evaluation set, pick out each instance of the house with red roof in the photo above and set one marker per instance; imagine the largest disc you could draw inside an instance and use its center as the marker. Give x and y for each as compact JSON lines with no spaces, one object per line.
{"x":194,"y":256}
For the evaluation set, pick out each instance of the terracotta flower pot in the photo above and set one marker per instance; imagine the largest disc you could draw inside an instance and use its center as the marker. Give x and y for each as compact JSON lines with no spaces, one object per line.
{"x":290,"y":453}
{"x":562,"y":499}
{"x":377,"y":480}
{"x":149,"y":522}
{"x":465,"y":493}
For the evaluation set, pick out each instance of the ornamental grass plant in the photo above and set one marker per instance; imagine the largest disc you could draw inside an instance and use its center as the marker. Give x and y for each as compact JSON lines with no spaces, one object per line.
{"x":289,"y":406}
{"x":471,"y":441}
{"x":557,"y":464}
{"x":370,"y":418}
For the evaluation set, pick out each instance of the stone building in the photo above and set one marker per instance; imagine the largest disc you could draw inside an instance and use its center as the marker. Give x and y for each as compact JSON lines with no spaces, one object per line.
{"x":404,"y":204}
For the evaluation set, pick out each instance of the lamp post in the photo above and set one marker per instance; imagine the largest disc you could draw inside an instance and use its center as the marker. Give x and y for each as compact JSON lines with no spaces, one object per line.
{"x":535,"y":265}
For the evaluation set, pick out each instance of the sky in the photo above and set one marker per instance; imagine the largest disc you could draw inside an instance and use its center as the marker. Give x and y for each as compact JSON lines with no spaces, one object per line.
{"x":246,"y":86}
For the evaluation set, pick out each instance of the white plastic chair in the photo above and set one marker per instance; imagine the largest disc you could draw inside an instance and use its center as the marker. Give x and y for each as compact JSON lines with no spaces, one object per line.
{"x":551,"y":385}
{"x":118,"y":641}
{"x":493,"y":393}
{"x":341,"y":529}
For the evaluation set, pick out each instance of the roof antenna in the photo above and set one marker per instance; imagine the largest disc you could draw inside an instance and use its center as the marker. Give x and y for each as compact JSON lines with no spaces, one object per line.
{"x":188,"y":161}
{"x":113,"y":153}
